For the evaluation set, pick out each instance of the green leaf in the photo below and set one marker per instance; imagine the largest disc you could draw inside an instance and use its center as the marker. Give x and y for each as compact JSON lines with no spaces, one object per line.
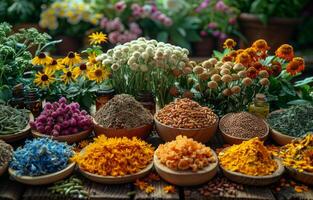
{"x":299,"y":102}
{"x":180,"y":40}
{"x":303,"y":82}
{"x":193,"y":36}
{"x":218,"y":55}
{"x":162,"y":36}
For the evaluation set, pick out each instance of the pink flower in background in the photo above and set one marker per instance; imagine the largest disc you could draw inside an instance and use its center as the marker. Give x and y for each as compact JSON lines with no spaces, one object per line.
{"x":167,"y":22}
{"x":212,"y":25}
{"x":104,"y":22}
{"x":203,"y":33}
{"x":202,"y":6}
{"x":115,"y":25}
{"x":113,"y":37}
{"x":216,"y":33}
{"x":120,"y":6}
{"x":134,"y":28}
{"x":137,"y":10}
{"x":232,"y":20}
{"x":222,"y":36}
{"x":221,"y":6}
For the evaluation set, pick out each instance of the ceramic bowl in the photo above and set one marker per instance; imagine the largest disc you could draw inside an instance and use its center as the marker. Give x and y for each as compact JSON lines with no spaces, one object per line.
{"x":44,"y":179}
{"x":229,"y":139}
{"x":117,"y":179}
{"x":188,"y":177}
{"x":202,"y":135}
{"x":140,"y":132}
{"x":20,"y":134}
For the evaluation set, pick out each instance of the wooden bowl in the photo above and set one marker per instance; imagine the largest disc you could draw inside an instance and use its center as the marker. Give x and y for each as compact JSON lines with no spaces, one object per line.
{"x":45,"y":179}
{"x":186,"y":178}
{"x":18,"y":135}
{"x":304,"y":177}
{"x":4,"y":168}
{"x":140,"y":132}
{"x":229,"y":139}
{"x":255,"y":180}
{"x":202,"y":135}
{"x":279,"y":137}
{"x":77,"y":137}
{"x":117,"y":179}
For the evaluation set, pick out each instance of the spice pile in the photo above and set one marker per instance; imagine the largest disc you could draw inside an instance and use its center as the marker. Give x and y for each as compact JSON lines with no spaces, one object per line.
{"x":250,"y":157}
{"x":218,"y":187}
{"x":40,"y":157}
{"x":299,"y":154}
{"x":60,"y":118}
{"x":185,"y":154}
{"x":295,"y":121}
{"x":5,"y":153}
{"x":243,"y":125}
{"x":12,"y":120}
{"x":145,"y":184}
{"x":185,"y":113}
{"x":115,"y":156}
{"x":71,"y":188}
{"x":123,"y":111}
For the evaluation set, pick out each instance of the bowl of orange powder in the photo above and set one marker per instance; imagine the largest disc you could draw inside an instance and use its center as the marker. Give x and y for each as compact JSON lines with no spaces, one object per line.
{"x":185,"y":162}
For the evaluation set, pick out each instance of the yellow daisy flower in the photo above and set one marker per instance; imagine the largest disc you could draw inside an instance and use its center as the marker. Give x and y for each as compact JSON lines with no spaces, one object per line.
{"x":69,"y":76}
{"x":92,"y":59}
{"x":98,"y":74}
{"x":41,"y":59}
{"x":82,"y":69}
{"x":54,"y":65}
{"x":97,"y":38}
{"x":44,"y":79}
{"x":71,"y":59}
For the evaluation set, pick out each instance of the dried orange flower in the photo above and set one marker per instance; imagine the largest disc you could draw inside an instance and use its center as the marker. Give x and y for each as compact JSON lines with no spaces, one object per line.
{"x":243,"y":58}
{"x":229,"y":44}
{"x":299,"y":154}
{"x":227,"y":58}
{"x":293,"y":68}
{"x":252,"y":53}
{"x":169,"y":189}
{"x":260,"y":45}
{"x":250,"y":157}
{"x":285,"y":51}
{"x":142,"y":185}
{"x":300,"y":62}
{"x":115,"y":156}
{"x":149,"y":189}
{"x":184,"y":154}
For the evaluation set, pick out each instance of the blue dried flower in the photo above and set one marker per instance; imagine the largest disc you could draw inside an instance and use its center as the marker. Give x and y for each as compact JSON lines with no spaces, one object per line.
{"x":40,"y":157}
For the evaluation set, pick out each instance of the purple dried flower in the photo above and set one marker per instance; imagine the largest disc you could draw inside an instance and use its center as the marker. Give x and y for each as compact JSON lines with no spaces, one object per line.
{"x":120,"y":6}
{"x":221,"y":6}
{"x":212,"y":25}
{"x":216,"y":33}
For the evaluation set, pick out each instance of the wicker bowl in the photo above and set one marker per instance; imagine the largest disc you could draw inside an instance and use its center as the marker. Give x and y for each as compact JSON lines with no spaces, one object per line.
{"x":229,"y":139}
{"x":140,"y":132}
{"x":255,"y":180}
{"x":186,"y":178}
{"x":279,"y":137}
{"x":77,"y":137}
{"x":20,"y":134}
{"x":304,"y":177}
{"x":44,"y":179}
{"x":202,"y":135}
{"x":116,"y":179}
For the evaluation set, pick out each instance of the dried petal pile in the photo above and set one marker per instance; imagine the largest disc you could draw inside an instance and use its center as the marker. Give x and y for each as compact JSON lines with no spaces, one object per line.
{"x":185,"y":113}
{"x":115,"y":156}
{"x":185,"y":154}
{"x":40,"y":157}
{"x":5,"y":153}
{"x":250,"y":157}
{"x":299,"y":154}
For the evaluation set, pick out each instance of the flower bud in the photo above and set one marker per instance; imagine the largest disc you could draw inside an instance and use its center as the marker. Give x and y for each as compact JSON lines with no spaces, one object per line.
{"x":235,"y":90}
{"x":174,"y":91}
{"x":198,"y":69}
{"x":264,"y":82}
{"x":204,"y":76}
{"x":247,"y":81}
{"x":227,"y":78}
{"x":235,"y":77}
{"x":263,"y":74}
{"x":225,"y":71}
{"x":238,"y":67}
{"x":188,"y":94}
{"x":213,"y":61}
{"x":212,"y":85}
{"x":242,"y":74}
{"x":207,"y":64}
{"x":227,"y":92}
{"x":216,"y":77}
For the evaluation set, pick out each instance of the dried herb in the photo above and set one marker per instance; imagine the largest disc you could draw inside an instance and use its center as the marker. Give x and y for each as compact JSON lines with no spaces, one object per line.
{"x":295,"y":121}
{"x":40,"y":157}
{"x":5,"y":153}
{"x":12,"y":120}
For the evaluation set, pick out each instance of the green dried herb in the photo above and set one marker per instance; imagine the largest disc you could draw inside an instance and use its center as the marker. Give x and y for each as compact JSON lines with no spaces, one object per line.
{"x":295,"y":121}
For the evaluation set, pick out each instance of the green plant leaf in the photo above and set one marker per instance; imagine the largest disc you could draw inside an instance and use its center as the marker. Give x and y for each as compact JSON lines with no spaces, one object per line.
{"x":299,"y":102}
{"x":162,"y":36}
{"x":303,"y":82}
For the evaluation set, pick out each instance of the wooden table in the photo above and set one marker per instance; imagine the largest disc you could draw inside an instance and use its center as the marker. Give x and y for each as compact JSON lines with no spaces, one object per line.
{"x":12,"y":190}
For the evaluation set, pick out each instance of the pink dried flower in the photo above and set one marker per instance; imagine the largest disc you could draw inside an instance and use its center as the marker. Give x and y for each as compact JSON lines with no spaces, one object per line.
{"x":216,"y":33}
{"x":232,"y":20}
{"x":222,"y":36}
{"x":120,"y":6}
{"x":203,"y":33}
{"x":221,"y":6}
{"x":104,"y":22}
{"x":204,"y":4}
{"x":212,"y":25}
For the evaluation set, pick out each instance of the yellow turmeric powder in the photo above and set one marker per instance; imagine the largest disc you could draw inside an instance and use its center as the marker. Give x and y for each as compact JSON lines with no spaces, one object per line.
{"x":299,"y":154}
{"x":250,"y":157}
{"x":115,"y":156}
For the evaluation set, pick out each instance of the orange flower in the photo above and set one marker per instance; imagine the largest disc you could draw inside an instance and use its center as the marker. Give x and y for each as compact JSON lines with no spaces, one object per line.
{"x":252,"y":72}
{"x":260,"y":45}
{"x":229,"y":44}
{"x":258,"y":66}
{"x":285,"y":51}
{"x":233,"y":54}
{"x":300,"y":61}
{"x":252,"y":53}
{"x":239,"y":51}
{"x":276,"y":68}
{"x":243,"y":58}
{"x":293,"y":68}
{"x":169,"y":189}
{"x":227,"y":58}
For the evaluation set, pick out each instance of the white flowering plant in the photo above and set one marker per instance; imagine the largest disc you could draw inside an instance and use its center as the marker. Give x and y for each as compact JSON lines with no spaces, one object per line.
{"x":146,"y":65}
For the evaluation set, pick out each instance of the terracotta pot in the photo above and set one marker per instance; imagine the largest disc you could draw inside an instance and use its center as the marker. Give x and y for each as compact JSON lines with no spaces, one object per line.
{"x":203,"y":48}
{"x":68,"y":44}
{"x":276,"y":32}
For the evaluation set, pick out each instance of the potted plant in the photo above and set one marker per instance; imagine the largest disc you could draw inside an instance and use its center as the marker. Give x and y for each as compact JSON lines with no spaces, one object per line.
{"x":273,"y":21}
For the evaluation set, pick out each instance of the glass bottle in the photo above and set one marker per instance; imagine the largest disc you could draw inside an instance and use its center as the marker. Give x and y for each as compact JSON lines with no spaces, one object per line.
{"x":17,"y":100}
{"x":146,"y":99}
{"x":33,"y":102}
{"x":103,"y":96}
{"x":259,"y":106}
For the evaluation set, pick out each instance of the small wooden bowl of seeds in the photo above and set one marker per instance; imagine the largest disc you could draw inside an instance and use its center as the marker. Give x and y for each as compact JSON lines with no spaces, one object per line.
{"x":242,"y":126}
